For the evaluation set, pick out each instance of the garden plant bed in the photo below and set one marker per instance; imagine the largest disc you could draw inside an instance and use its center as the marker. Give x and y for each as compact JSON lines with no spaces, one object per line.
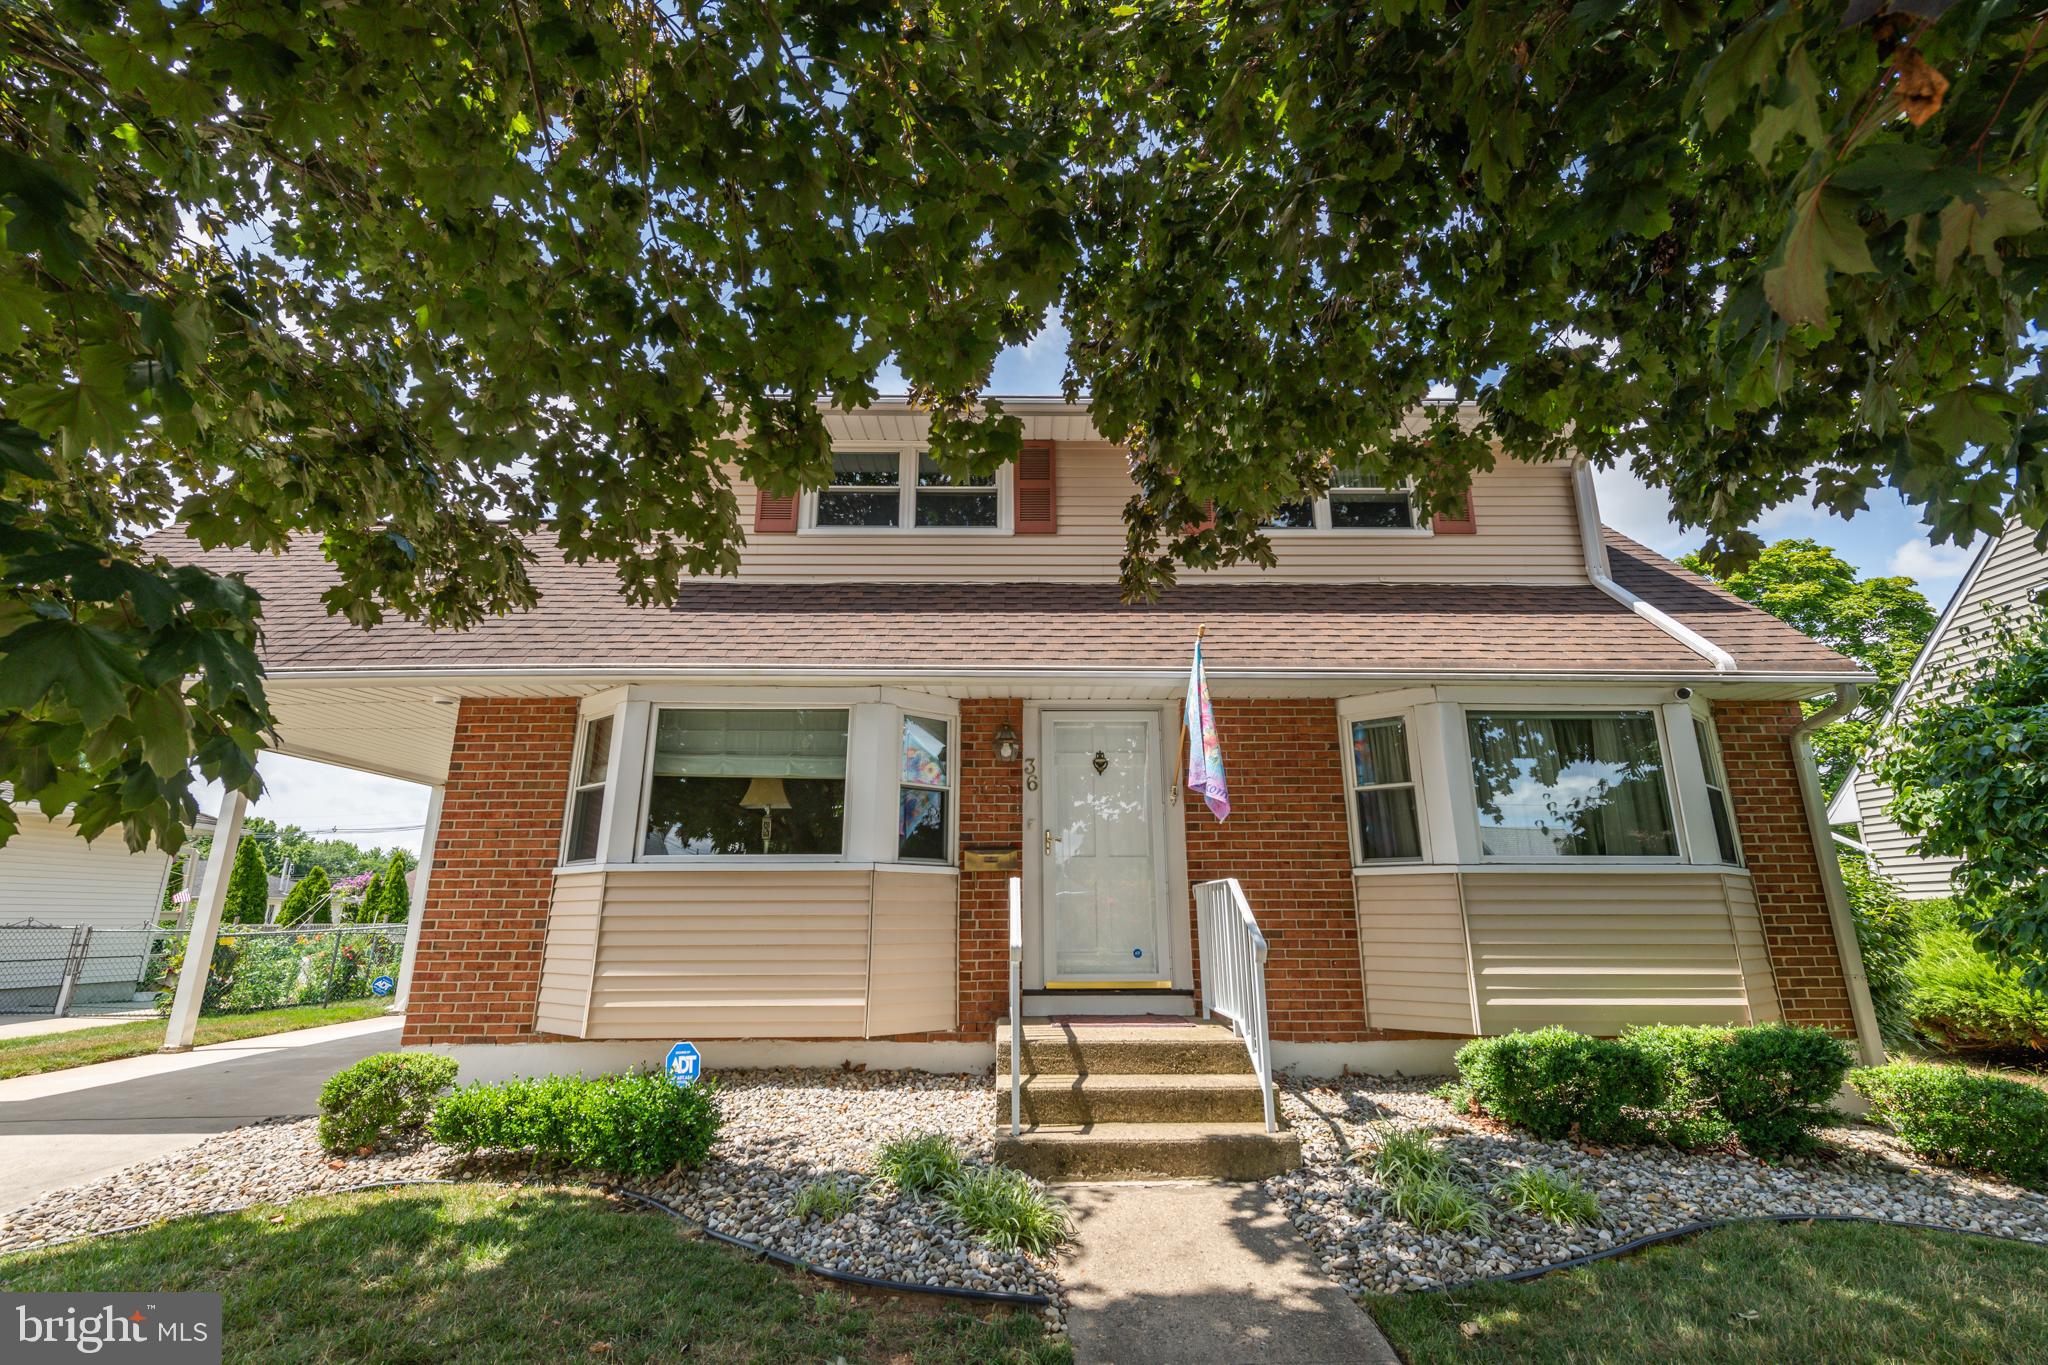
{"x":1334,"y":1202}
{"x":783,"y":1130}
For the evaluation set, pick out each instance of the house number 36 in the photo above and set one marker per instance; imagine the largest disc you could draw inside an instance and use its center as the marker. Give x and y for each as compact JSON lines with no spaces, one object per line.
{"x":1031,"y":774}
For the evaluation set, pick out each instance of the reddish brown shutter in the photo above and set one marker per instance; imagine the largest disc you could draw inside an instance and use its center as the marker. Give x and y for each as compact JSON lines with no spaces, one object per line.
{"x":773,"y":513}
{"x":1208,"y":521}
{"x":1460,"y":522}
{"x":1038,"y":504}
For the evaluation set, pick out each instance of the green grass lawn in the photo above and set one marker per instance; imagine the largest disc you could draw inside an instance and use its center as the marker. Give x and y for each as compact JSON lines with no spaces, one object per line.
{"x":1749,"y":1296}
{"x":40,"y":1052}
{"x":491,"y":1273}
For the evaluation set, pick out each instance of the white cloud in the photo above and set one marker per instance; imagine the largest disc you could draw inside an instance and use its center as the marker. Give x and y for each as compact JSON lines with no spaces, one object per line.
{"x":1638,"y":511}
{"x":1937,"y":568}
{"x":375,"y":812}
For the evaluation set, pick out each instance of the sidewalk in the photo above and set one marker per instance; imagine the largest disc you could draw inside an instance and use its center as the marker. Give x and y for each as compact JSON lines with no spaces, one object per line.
{"x":67,"y":1126}
{"x":1198,"y":1273}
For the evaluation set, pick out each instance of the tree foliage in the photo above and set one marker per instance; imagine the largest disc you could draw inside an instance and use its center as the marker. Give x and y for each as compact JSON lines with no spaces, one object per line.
{"x":387,"y":900}
{"x":1881,"y":623}
{"x":420,"y":280}
{"x":1967,"y":765}
{"x":307,"y":899}
{"x":248,"y":897}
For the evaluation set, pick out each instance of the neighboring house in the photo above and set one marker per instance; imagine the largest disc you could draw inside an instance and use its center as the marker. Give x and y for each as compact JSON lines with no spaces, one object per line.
{"x":52,"y":876}
{"x":2008,"y":573}
{"x":1477,"y":785}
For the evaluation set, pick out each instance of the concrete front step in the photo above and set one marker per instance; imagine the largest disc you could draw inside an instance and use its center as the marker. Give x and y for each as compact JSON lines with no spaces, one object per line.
{"x":1200,"y":1097}
{"x":1150,"y":1151}
{"x":1125,"y":1050}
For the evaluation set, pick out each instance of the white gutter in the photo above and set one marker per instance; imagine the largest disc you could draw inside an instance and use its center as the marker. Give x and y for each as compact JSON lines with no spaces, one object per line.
{"x":1597,"y":570}
{"x":1840,"y":915}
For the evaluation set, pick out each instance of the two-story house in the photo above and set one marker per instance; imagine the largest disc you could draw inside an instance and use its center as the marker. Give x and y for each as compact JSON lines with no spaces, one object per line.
{"x":1487,"y":773}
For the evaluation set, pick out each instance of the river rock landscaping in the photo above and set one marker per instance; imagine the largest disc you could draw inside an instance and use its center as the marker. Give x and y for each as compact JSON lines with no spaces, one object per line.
{"x":1337,"y":1206}
{"x":783,"y":1132}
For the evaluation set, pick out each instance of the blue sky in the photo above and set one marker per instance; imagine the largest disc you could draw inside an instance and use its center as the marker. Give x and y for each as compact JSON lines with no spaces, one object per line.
{"x":1888,"y":538}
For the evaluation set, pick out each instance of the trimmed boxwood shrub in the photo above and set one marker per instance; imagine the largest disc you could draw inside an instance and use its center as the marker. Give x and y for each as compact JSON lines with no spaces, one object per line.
{"x":381,"y":1097}
{"x":1961,"y":1118}
{"x":641,"y":1124}
{"x":1770,"y":1083}
{"x":1554,"y":1082}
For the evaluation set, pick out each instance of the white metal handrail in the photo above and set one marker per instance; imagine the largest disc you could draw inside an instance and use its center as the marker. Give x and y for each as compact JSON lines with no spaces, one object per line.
{"x":1016,"y":1006}
{"x":1234,"y":974}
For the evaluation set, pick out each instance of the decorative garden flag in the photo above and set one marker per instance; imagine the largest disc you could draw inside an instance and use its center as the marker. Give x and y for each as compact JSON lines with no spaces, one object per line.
{"x":1205,"y":747}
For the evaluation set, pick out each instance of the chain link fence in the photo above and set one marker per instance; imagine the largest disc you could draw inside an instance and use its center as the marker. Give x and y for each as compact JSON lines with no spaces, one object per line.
{"x":53,"y":969}
{"x":269,"y":968}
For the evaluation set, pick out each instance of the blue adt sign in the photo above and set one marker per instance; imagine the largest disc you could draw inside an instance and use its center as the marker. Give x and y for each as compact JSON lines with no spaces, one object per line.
{"x":383,"y":985}
{"x":684,"y":1065}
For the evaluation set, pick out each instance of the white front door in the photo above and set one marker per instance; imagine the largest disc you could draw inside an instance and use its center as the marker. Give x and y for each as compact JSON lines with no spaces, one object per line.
{"x":1103,"y":850}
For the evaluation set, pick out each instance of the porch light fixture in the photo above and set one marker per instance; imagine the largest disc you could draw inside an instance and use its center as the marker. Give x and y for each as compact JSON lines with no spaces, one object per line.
{"x":1007,"y":747}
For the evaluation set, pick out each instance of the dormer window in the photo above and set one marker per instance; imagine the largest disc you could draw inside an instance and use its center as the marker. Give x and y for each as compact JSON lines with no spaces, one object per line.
{"x":905,"y":489}
{"x":1353,"y":504}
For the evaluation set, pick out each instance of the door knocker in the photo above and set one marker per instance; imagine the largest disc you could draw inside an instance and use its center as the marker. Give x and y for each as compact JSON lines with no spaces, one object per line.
{"x":1101,"y":763}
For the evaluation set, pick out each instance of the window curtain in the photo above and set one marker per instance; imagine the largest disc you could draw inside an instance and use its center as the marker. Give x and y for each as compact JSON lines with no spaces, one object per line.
{"x":698,"y":743}
{"x":1574,"y":785}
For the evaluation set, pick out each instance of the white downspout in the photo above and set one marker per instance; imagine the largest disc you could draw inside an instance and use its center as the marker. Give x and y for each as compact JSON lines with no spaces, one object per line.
{"x":1597,"y":570}
{"x":1840,"y":915}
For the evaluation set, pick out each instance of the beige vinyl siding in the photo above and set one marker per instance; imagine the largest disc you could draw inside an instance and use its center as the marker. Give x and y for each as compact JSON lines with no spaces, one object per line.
{"x":1528,"y":533}
{"x":2012,"y":572}
{"x":1751,"y":949}
{"x":1411,"y":938}
{"x":571,"y":953}
{"x":1604,"y":950}
{"x":746,"y":953}
{"x":49,"y":873}
{"x":913,"y":960}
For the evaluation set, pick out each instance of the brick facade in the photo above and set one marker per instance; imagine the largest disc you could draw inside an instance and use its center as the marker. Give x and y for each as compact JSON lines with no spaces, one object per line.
{"x":991,"y":815}
{"x":1288,"y":842}
{"x":1777,"y":844}
{"x":477,"y":974}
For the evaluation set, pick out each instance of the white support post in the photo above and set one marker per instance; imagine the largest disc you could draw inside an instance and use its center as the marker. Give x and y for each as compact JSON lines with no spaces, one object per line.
{"x":417,"y":915}
{"x":205,"y":924}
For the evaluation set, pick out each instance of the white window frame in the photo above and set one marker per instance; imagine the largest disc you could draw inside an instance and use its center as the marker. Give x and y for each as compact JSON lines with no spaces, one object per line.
{"x":645,"y":795}
{"x":1416,"y":783}
{"x":585,"y":724}
{"x":1712,"y":756}
{"x":1324,"y":525}
{"x":907,"y":457}
{"x":1468,"y":801}
{"x":951,"y":790}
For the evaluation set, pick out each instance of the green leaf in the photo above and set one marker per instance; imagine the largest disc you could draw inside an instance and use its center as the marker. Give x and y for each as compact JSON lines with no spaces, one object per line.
{"x":1824,"y":236}
{"x":86,"y":666}
{"x":1979,"y":225}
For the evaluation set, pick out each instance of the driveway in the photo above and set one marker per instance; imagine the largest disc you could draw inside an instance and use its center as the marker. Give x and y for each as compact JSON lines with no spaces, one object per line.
{"x":68,"y":1126}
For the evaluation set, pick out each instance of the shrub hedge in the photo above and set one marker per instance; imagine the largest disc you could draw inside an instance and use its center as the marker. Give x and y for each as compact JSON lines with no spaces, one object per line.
{"x":1554,"y":1082}
{"x":1768,"y":1084}
{"x":382,"y":1096}
{"x":641,"y":1124}
{"x":1959,"y":1117}
{"x":1965,"y":999}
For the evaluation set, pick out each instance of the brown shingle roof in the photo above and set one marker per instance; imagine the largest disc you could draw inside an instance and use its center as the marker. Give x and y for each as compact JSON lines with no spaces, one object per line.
{"x":1402,"y":629}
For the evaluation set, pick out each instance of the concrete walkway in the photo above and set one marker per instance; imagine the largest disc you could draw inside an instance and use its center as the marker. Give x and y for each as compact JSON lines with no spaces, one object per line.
{"x":68,"y":1126}
{"x":1195,"y":1274}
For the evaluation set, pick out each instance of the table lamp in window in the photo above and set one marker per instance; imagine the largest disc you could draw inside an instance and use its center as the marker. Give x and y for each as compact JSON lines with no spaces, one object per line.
{"x":766,"y":795}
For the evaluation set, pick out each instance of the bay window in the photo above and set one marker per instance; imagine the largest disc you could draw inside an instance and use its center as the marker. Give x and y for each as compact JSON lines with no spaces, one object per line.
{"x":744,"y":781}
{"x":1383,"y":791}
{"x":1570,"y":784}
{"x":924,"y":791}
{"x":586,"y":799}
{"x":1717,"y":791}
